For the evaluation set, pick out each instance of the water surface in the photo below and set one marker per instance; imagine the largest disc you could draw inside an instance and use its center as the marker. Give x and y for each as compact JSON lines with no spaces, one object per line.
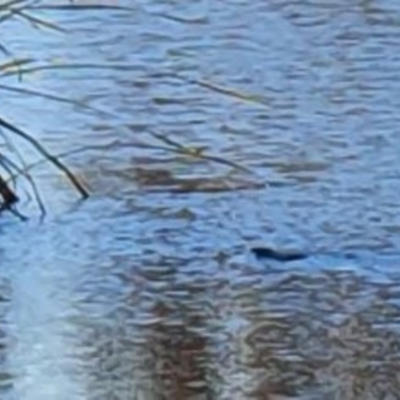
{"x":148,"y":290}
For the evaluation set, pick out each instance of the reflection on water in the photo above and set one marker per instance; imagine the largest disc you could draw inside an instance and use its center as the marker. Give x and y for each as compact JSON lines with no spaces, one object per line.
{"x":148,"y":290}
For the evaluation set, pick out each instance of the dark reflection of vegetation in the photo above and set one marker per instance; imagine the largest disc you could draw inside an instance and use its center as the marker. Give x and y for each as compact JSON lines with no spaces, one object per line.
{"x":332,"y":335}
{"x":179,"y":352}
{"x":176,"y":340}
{"x":154,"y":344}
{"x":165,"y":330}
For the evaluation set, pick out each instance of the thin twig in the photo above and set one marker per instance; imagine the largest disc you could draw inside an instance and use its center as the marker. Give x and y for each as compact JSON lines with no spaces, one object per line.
{"x":54,"y":160}
{"x":50,"y":96}
{"x":195,"y":152}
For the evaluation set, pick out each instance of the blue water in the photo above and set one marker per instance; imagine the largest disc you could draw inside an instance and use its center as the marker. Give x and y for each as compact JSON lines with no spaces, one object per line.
{"x":148,"y":289}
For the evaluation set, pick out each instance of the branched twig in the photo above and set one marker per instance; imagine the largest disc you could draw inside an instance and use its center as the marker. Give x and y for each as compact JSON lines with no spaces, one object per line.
{"x":52,"y":159}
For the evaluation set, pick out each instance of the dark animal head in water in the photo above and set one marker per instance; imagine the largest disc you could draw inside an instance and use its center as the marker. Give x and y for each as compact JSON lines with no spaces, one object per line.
{"x":278,"y":255}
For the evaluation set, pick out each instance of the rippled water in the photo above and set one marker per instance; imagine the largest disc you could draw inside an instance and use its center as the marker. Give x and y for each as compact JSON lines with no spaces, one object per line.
{"x":148,"y":290}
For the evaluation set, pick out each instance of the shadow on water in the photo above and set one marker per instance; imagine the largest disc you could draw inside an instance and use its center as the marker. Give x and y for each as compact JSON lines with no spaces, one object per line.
{"x":148,"y":291}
